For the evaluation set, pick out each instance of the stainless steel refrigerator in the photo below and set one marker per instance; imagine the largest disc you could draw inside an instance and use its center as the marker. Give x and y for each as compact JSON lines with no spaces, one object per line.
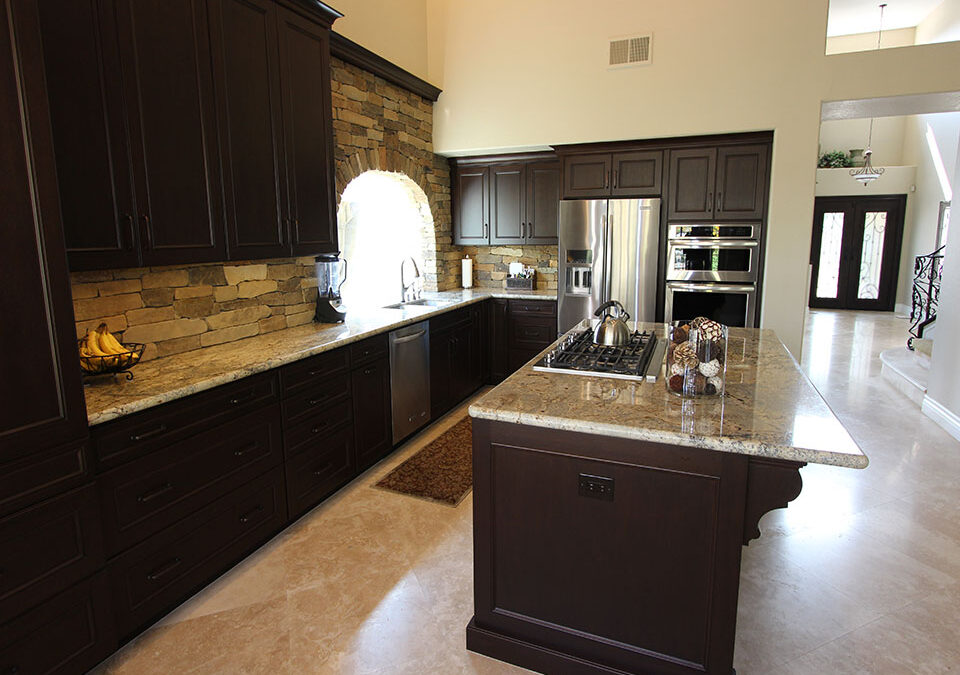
{"x":608,"y":251}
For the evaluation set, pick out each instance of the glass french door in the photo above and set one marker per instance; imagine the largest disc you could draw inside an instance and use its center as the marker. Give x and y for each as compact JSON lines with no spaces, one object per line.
{"x":855,"y":252}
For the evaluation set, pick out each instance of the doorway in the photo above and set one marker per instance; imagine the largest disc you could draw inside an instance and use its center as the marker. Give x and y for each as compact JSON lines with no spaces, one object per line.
{"x":855,"y":252}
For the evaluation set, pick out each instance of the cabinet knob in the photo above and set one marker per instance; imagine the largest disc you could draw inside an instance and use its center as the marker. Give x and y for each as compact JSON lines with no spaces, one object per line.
{"x":245,"y":518}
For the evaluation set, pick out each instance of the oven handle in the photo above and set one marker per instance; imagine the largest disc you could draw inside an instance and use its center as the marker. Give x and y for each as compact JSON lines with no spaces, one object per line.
{"x":712,"y":288}
{"x":712,"y":243}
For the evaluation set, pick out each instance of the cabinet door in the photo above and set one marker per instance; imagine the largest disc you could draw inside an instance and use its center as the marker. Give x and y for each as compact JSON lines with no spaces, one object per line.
{"x":586,"y":176}
{"x":498,"y":338}
{"x":82,"y":60}
{"x":165,"y":49}
{"x":308,"y":130}
{"x":246,"y":77}
{"x":543,"y":203}
{"x":637,"y":174}
{"x":462,"y":367}
{"x":479,"y":346}
{"x":506,"y":204}
{"x":741,"y":182}
{"x":441,"y":360}
{"x":692,"y":173}
{"x":471,"y":214}
{"x":371,"y":412}
{"x":44,"y":405}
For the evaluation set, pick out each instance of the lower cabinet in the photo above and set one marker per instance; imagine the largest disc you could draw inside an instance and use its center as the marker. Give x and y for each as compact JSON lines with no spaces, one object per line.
{"x":518,"y":331}
{"x":319,"y":469}
{"x":454,"y":360}
{"x":371,"y":412}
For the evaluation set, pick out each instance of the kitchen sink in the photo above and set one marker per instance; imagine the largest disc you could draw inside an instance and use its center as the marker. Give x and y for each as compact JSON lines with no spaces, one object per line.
{"x":422,"y":302}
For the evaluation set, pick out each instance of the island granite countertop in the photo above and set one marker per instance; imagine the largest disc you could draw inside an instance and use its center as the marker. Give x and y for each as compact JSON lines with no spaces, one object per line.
{"x":173,"y":377}
{"x":770,"y":408}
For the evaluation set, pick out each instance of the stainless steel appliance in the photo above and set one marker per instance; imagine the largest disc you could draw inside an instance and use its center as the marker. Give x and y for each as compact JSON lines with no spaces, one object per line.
{"x":409,"y":379}
{"x":608,"y":250}
{"x":577,"y":354}
{"x":612,"y":329}
{"x":331,"y":273}
{"x":730,"y":304}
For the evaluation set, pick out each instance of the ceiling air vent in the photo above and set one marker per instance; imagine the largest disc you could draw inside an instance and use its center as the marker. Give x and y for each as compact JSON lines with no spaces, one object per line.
{"x":631,"y":51}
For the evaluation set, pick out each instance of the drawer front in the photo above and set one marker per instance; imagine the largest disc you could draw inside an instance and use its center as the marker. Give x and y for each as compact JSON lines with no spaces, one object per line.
{"x":165,"y":570}
{"x":27,"y":480}
{"x":532,"y":333}
{"x":316,"y":369}
{"x":307,"y":402}
{"x":368,"y":350}
{"x":313,"y":430}
{"x":145,"y":496}
{"x":68,"y":634}
{"x":449,"y":320}
{"x":48,"y":547}
{"x":139,"y":434}
{"x":312,"y":476}
{"x":534,"y":307}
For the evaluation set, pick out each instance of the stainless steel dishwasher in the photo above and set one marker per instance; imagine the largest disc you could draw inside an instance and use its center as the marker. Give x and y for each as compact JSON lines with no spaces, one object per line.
{"x":410,"y":378}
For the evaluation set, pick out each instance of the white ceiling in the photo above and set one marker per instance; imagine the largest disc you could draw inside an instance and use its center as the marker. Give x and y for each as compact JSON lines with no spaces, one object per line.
{"x":848,"y":17}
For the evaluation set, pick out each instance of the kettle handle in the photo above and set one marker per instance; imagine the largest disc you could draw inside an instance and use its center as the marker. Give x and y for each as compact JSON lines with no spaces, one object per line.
{"x":622,"y":313}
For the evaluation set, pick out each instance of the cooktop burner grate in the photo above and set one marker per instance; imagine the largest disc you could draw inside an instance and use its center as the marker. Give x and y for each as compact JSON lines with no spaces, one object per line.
{"x":578,"y":353}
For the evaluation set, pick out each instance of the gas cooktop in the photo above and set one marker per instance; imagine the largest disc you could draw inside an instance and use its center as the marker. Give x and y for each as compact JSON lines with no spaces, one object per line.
{"x":577,"y":354}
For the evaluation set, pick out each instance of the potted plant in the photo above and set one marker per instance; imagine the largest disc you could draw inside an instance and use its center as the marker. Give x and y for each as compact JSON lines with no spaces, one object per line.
{"x":836,"y":159}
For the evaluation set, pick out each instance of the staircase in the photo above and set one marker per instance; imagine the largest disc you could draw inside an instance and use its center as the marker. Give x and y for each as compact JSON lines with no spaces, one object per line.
{"x":927,"y":273}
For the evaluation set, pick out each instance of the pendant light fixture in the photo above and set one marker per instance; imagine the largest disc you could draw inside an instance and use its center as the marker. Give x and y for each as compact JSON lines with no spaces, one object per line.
{"x":867,"y":172}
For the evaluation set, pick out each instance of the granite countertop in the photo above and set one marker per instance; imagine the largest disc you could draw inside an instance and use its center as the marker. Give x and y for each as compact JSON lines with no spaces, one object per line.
{"x":167,"y":379}
{"x":770,"y":409}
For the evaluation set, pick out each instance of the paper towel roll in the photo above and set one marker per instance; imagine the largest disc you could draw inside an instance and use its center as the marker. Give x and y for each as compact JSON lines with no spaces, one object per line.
{"x":467,"y":264}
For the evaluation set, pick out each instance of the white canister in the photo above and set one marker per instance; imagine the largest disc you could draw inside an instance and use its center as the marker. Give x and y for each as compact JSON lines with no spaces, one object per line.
{"x":467,"y":265}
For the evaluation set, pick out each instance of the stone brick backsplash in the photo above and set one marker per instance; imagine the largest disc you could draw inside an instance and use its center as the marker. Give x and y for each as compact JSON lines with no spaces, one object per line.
{"x":491,"y":263}
{"x":177,"y":309}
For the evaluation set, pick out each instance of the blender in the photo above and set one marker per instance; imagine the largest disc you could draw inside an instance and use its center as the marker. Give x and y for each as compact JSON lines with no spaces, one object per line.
{"x":330,"y":277}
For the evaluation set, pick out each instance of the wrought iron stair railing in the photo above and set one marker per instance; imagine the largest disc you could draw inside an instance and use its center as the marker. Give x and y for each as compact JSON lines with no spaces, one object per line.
{"x":927,"y":272}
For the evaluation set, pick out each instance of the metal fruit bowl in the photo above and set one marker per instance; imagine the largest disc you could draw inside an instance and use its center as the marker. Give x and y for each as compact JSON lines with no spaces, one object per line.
{"x":114,"y":363}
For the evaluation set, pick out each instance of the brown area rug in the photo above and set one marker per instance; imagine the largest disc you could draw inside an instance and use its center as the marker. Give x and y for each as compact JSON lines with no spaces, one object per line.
{"x":441,"y":472}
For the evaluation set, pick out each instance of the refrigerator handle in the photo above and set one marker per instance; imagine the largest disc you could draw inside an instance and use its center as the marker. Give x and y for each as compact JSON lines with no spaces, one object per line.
{"x":608,"y":260}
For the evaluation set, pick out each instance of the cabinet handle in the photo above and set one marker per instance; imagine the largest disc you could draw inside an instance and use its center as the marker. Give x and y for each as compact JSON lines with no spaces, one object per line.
{"x":244,"y":450}
{"x":615,"y":179}
{"x":320,"y":427}
{"x":369,"y":371}
{"x":149,"y":434}
{"x":523,"y":229}
{"x":318,"y":371}
{"x":153,"y":494}
{"x":323,"y":469}
{"x":146,"y":229}
{"x":164,"y":570}
{"x":710,"y":201}
{"x":486,"y":229}
{"x":606,"y":179}
{"x":319,"y":399}
{"x":245,"y":518}
{"x":719,"y":202}
{"x":126,"y":217}
{"x":243,"y":399}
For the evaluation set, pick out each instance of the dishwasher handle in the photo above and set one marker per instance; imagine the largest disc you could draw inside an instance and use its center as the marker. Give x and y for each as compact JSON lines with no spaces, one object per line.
{"x":408,"y":338}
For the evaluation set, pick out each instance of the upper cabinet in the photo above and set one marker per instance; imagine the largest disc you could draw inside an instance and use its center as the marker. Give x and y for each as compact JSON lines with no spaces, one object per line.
{"x":617,"y":174}
{"x":510,"y":202}
{"x":218,"y":144}
{"x":718,"y":183}
{"x":45,"y":407}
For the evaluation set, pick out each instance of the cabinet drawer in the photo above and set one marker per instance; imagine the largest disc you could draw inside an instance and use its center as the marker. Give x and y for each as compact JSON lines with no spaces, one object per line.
{"x":313,"y":475}
{"x":27,"y":480}
{"x":312,"y":371}
{"x":134,"y":436}
{"x":449,"y":320}
{"x":534,"y":334}
{"x":533,"y":307}
{"x":145,"y":496}
{"x":368,"y":350}
{"x":66,"y":635}
{"x":160,"y":573}
{"x":46,"y":548}
{"x":314,"y":430}
{"x":306,"y":402}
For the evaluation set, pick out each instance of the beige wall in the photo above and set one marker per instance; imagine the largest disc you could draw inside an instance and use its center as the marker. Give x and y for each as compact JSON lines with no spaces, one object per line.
{"x":540,"y":78}
{"x":941,"y":25}
{"x":888,"y":133}
{"x":393,"y":29}
{"x":841,"y":44}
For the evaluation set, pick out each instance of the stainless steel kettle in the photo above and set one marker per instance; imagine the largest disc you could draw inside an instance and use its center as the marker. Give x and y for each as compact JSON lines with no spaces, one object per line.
{"x":611,"y":330}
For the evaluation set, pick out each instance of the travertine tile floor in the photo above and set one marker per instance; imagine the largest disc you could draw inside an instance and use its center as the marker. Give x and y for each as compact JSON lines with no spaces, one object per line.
{"x":861,"y":574}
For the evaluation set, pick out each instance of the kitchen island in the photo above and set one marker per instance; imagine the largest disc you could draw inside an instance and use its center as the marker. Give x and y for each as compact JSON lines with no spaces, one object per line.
{"x":609,"y":515}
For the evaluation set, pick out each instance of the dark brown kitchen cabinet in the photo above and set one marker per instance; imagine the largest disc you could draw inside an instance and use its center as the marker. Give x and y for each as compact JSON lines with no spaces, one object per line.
{"x":455,"y":359}
{"x":728,"y":182}
{"x":168,"y":86}
{"x":506,"y":204}
{"x":82,"y":60}
{"x":471,"y":205}
{"x":618,"y":174}
{"x":542,"y":206}
{"x":371,"y":411}
{"x":308,"y":127}
{"x":518,"y":330}
{"x":47,"y":410}
{"x":498,"y":341}
{"x":247,"y":80}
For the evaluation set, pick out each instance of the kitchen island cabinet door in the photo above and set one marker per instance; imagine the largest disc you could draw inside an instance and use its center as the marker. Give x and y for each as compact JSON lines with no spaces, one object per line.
{"x":472,"y":215}
{"x":637,"y":174}
{"x":692,"y":174}
{"x":586,"y":176}
{"x":741,"y":182}
{"x":542,"y":203}
{"x":371,"y":412}
{"x":308,"y":131}
{"x":168,"y":80}
{"x":40,"y":364}
{"x":81,"y":61}
{"x":506,"y":204}
{"x":246,"y":76}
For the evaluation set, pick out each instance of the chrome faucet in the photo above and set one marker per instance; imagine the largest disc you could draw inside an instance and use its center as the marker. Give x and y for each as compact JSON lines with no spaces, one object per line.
{"x":409,"y":291}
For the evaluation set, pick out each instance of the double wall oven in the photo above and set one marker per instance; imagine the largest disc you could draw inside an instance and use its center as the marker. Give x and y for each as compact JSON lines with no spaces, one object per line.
{"x":712,"y":270}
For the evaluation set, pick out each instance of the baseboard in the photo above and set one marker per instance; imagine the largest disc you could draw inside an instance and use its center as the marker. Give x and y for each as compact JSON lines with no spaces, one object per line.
{"x":901,"y":309}
{"x":942,"y":416}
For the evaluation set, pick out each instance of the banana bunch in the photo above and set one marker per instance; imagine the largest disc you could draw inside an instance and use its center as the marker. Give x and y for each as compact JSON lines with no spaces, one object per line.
{"x":100,"y":342}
